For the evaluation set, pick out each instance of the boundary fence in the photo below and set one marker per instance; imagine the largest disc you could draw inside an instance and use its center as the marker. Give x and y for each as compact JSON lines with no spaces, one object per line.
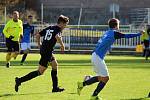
{"x":84,"y":37}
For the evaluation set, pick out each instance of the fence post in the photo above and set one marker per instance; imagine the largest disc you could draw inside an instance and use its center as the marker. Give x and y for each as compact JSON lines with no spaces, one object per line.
{"x":69,"y":44}
{"x":42,"y":13}
{"x":5,"y":15}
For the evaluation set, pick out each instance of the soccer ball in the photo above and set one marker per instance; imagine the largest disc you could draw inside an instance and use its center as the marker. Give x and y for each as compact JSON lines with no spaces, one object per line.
{"x":87,"y":77}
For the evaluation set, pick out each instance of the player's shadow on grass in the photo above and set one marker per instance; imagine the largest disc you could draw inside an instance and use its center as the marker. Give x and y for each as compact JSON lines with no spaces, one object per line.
{"x":17,"y":63}
{"x":72,"y":93}
{"x":6,"y":95}
{"x":9,"y":95}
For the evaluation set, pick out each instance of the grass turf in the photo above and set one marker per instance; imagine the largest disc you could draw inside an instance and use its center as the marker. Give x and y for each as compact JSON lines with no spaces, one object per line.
{"x":129,"y":78}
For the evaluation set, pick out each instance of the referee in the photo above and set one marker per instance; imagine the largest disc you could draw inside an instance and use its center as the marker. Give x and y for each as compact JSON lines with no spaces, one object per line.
{"x":146,"y":41}
{"x":13,"y":32}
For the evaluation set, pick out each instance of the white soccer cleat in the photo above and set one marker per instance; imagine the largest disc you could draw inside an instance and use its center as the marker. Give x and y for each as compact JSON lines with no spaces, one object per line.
{"x":87,"y":77}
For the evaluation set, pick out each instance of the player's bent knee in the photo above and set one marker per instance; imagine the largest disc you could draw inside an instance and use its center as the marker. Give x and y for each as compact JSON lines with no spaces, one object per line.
{"x":103,"y":79}
{"x":42,"y":69}
{"x":54,"y":65}
{"x":39,"y":73}
{"x":106,"y":79}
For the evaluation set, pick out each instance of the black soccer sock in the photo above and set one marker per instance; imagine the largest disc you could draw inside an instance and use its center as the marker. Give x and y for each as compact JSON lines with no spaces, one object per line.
{"x":144,"y":52}
{"x":100,"y":86}
{"x":24,"y":58}
{"x":90,"y":81}
{"x":147,"y":53}
{"x":54,"y":78}
{"x":29,"y":76}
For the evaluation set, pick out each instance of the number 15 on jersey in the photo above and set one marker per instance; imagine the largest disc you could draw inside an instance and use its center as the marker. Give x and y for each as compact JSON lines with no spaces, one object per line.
{"x":48,"y":35}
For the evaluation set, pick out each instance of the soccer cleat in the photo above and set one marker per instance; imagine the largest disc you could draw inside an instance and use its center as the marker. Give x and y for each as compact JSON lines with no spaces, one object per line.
{"x":149,"y":95}
{"x":58,"y":89}
{"x":146,"y":58}
{"x":95,"y":98}
{"x":18,"y":83}
{"x":21,"y":63}
{"x":80,"y":87}
{"x":7,"y":65}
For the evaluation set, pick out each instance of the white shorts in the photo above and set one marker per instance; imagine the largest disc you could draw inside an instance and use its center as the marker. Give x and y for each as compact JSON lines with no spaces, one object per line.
{"x":99,"y":65}
{"x":25,"y":46}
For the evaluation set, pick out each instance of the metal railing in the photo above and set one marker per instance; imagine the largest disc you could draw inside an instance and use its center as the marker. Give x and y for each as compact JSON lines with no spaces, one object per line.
{"x":83,"y":38}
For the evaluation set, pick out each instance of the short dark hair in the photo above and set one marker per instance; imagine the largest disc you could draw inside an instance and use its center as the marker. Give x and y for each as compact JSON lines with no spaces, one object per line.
{"x":113,"y":22}
{"x":30,"y":16}
{"x":63,"y":19}
{"x":14,"y":12}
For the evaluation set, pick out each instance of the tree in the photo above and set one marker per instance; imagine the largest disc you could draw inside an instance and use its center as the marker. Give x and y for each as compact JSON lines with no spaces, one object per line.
{"x":4,"y":3}
{"x":25,"y":7}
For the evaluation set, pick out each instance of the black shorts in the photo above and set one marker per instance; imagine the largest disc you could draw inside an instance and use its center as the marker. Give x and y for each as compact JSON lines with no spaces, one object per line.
{"x":12,"y":46}
{"x":46,"y":58}
{"x":146,"y":43}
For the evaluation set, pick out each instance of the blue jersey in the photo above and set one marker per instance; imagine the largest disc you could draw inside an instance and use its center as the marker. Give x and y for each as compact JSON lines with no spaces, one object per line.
{"x":105,"y":42}
{"x":27,"y":31}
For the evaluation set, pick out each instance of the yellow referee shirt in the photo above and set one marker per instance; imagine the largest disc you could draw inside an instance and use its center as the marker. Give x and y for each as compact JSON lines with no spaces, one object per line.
{"x":14,"y":29}
{"x":145,"y":36}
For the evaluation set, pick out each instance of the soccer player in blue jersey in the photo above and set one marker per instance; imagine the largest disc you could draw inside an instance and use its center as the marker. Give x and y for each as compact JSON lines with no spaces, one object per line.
{"x":103,"y":45}
{"x":28,"y":30}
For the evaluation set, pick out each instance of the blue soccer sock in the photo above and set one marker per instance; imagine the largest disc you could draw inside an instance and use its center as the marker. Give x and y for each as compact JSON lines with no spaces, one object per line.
{"x":100,"y":86}
{"x":91,"y":81}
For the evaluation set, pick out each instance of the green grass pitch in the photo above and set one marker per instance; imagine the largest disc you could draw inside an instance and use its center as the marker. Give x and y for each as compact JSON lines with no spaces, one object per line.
{"x":129,"y":78}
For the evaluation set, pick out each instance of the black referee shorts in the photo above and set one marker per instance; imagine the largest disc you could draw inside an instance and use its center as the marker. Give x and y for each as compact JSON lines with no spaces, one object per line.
{"x":146,"y":43}
{"x":12,"y":46}
{"x":46,"y":58}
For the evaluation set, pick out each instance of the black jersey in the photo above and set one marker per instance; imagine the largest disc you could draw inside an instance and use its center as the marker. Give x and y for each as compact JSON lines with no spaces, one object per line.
{"x":49,"y":39}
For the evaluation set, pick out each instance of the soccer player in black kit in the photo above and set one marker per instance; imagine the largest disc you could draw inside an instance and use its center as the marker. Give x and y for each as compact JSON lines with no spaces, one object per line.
{"x":51,"y":35}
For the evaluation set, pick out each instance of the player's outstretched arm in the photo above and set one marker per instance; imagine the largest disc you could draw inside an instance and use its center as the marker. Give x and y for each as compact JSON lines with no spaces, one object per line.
{"x":59,"y":40}
{"x":119,"y":35}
